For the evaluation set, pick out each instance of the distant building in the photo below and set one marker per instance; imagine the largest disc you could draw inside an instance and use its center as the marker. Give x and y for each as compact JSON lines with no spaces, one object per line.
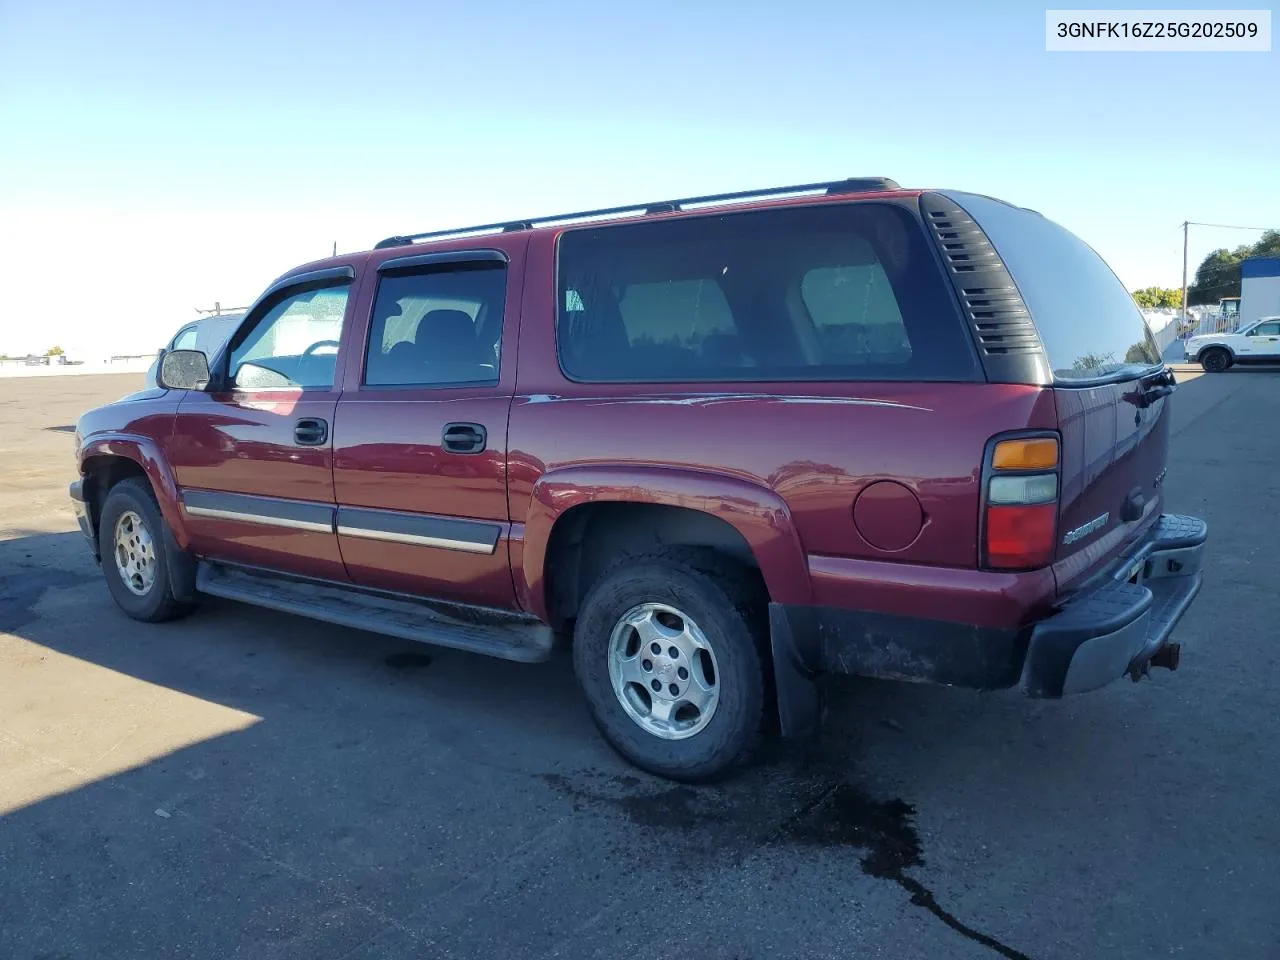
{"x":1259,"y":288}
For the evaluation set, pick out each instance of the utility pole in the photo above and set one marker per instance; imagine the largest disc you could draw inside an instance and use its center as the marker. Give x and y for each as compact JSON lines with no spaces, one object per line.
{"x":1186,"y":224}
{"x":335,"y":253}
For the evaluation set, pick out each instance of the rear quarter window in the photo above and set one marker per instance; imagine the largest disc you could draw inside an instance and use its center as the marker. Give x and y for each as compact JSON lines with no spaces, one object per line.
{"x":1089,"y":324}
{"x":829,"y":292}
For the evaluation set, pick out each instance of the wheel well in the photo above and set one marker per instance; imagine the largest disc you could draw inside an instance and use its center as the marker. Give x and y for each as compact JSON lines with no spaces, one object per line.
{"x":101,"y":473}
{"x":590,"y":537}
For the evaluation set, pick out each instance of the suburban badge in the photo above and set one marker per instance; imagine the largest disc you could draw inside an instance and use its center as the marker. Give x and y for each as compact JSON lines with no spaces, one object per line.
{"x":1082,"y":531}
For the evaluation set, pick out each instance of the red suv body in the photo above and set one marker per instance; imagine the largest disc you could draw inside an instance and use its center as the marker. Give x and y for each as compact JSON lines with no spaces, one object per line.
{"x":729,"y":444}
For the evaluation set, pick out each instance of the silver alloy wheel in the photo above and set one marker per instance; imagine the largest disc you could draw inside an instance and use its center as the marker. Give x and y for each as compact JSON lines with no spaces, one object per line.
{"x":664,"y":671}
{"x":135,"y":553}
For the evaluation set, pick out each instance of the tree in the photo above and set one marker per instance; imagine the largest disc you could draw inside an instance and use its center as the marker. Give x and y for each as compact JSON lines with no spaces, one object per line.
{"x":1218,"y":275}
{"x":1152,"y":298}
{"x":1268,"y":245}
{"x":54,"y":352}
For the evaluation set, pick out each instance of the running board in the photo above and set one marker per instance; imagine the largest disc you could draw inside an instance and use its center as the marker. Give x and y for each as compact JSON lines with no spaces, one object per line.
{"x":495,"y":633}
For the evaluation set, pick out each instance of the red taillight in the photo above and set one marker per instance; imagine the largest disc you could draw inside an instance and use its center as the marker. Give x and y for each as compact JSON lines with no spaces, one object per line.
{"x":1021,"y":537}
{"x":1020,"y":497}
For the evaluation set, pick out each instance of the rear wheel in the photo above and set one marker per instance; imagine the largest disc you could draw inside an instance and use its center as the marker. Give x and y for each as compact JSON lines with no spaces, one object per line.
{"x":1215,"y":360}
{"x":668,"y":648}
{"x":131,"y":536}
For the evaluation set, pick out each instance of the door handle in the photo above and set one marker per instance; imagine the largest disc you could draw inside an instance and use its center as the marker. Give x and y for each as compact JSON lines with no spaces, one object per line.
{"x":465,"y":438}
{"x":310,"y":432}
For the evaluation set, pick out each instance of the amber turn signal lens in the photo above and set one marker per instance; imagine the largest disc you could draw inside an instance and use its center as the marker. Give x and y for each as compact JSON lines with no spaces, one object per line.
{"x":1038,"y":453}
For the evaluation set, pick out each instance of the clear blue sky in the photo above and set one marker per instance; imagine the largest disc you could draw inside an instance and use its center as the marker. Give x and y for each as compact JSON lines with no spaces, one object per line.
{"x":223,"y":144}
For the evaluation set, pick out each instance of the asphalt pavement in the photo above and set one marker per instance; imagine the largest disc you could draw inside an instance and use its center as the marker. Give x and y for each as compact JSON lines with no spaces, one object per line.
{"x":245,"y":784}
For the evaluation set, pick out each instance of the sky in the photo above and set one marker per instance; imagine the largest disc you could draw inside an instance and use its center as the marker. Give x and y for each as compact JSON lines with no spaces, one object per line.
{"x":158,"y":157}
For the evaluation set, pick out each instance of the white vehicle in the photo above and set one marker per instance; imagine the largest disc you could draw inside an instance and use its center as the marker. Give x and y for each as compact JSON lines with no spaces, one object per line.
{"x":1256,"y":343}
{"x":207,"y":334}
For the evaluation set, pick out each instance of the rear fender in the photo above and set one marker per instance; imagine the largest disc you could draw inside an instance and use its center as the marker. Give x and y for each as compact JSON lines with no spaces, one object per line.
{"x":756,"y":512}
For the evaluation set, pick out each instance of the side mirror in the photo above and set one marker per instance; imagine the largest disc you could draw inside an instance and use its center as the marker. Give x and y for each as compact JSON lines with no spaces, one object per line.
{"x":183,"y":370}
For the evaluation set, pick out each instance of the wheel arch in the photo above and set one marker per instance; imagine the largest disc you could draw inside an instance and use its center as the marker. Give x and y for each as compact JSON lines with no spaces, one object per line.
{"x":106,"y":460}
{"x":1216,"y":345}
{"x":581,"y":518}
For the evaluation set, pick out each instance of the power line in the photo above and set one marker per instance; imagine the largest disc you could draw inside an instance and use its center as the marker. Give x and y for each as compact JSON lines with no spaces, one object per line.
{"x":1228,"y":226}
{"x":1186,"y":242}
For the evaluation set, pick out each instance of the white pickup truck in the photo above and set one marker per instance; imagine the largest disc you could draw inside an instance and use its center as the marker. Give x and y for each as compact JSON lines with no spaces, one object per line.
{"x":1257,"y":343}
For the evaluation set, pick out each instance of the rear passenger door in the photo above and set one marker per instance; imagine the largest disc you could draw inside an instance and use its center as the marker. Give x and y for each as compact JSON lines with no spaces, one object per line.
{"x":420,"y":440}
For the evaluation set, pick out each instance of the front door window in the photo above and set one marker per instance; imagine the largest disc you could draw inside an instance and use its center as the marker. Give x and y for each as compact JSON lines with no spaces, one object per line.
{"x":295,"y":344}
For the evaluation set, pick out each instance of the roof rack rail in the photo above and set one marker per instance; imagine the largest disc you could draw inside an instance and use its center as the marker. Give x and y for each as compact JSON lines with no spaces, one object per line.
{"x":850,"y":185}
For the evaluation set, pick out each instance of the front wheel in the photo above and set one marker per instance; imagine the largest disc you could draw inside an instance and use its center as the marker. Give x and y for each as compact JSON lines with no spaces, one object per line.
{"x":131,"y":538}
{"x":1215,"y":360}
{"x":668,"y":650}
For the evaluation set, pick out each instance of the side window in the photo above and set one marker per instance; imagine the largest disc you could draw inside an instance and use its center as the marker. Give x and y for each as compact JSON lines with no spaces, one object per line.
{"x":856,"y":315}
{"x":1266,"y":330}
{"x":437,"y":327}
{"x":186,"y":339}
{"x":294,"y":344}
{"x":829,"y":292}
{"x":680,"y":319}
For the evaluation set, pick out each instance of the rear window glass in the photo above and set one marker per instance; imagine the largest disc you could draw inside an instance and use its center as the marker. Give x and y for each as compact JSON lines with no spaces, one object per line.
{"x":832,"y":292}
{"x":1089,"y":324}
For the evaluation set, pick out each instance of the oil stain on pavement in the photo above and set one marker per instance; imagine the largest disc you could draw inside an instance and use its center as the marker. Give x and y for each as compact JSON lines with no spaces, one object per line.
{"x":829,"y":814}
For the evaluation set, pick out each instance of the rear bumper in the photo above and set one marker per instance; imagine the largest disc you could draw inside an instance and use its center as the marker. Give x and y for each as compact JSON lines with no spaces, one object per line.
{"x":1114,"y":625}
{"x":1117,"y":625}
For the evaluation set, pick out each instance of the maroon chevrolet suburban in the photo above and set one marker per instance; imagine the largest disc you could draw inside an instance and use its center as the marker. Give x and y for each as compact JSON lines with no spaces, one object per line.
{"x":722,"y":445}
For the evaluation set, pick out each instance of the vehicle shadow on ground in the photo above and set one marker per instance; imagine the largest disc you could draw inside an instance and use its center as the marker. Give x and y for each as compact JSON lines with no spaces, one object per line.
{"x":362,"y":778}
{"x":375,"y":775}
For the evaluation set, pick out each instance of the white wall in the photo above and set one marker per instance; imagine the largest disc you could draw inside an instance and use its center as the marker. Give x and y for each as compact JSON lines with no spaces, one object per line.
{"x":16,"y":368}
{"x":1259,"y":297}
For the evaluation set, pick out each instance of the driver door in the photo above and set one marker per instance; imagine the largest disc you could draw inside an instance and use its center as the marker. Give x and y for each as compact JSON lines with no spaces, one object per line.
{"x":253,"y":455}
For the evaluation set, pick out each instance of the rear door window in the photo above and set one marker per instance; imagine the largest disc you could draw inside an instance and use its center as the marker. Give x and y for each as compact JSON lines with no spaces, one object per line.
{"x":830,"y":293}
{"x":437,"y":327}
{"x":1089,"y":324}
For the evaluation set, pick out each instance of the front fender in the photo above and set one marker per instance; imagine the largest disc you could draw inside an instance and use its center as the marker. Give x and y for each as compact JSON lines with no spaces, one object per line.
{"x":145,"y":452}
{"x":755,"y":511}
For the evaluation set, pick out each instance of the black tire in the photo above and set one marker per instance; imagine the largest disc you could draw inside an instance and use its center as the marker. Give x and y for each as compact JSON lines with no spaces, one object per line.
{"x":158,"y":602}
{"x":729,"y":605}
{"x":1215,"y":360}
